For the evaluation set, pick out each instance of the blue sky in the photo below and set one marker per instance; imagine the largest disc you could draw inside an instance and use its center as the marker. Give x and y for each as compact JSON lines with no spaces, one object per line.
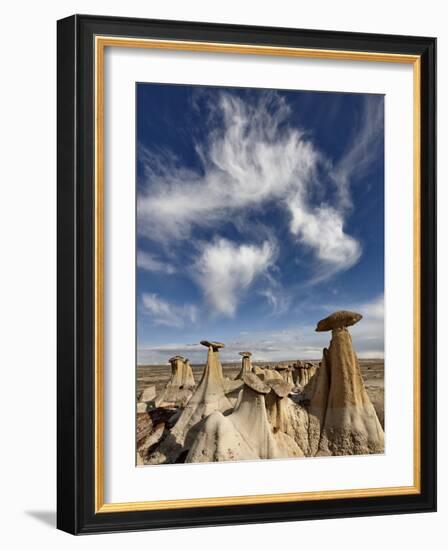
{"x":258,"y":213}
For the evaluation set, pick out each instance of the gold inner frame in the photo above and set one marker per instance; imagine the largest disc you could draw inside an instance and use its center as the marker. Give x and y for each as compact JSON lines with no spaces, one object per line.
{"x":101,"y":42}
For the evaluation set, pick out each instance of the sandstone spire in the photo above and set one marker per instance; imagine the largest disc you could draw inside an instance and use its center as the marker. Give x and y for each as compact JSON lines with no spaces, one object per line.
{"x":178,"y":390}
{"x":317,"y":394}
{"x":351,"y":425}
{"x":245,"y":364}
{"x":303,"y":372}
{"x":208,"y":397}
{"x":210,"y":393}
{"x":285,"y":372}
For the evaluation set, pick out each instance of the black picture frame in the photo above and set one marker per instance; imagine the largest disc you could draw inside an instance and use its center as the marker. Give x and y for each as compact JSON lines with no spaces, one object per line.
{"x":76,"y":512}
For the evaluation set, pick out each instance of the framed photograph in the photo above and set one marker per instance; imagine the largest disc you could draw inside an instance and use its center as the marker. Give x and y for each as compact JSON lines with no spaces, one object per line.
{"x":246,"y":274}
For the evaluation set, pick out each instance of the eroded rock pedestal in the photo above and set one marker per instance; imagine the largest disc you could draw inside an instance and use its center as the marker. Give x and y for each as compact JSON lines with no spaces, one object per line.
{"x":245,"y":364}
{"x":245,"y":434}
{"x":343,"y":420}
{"x":286,"y":373}
{"x":303,"y":373}
{"x":180,"y":386}
{"x":324,"y":411}
{"x":209,"y":396}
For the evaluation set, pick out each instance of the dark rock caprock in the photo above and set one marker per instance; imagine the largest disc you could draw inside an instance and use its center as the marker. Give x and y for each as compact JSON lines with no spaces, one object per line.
{"x":338,"y":319}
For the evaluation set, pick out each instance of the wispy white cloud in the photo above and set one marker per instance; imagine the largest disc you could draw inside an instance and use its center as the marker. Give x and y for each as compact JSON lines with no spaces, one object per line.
{"x":225,"y":271}
{"x":149,"y":262}
{"x":322,"y":229}
{"x":165,"y":313}
{"x":277,"y":299}
{"x":252,"y":156}
{"x":363,"y":151}
{"x":249,"y":157}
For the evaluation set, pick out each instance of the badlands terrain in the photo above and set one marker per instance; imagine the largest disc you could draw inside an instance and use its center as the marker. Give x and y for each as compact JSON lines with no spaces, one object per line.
{"x":372,"y":371}
{"x":246,"y":410}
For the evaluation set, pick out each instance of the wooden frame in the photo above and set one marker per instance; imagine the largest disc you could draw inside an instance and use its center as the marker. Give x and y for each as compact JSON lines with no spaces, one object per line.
{"x":81,"y":43}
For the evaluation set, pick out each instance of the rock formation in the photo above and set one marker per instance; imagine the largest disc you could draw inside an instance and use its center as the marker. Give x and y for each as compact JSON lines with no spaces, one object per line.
{"x":286,"y":373}
{"x":316,"y":393}
{"x":208,"y":397}
{"x":279,"y":411}
{"x":350,"y":425}
{"x":245,"y":364}
{"x":259,"y":371}
{"x":338,"y":319}
{"x":268,"y":374}
{"x":289,"y":420}
{"x":246,"y":434}
{"x":277,"y":405}
{"x":303,"y":372}
{"x":179,"y":388}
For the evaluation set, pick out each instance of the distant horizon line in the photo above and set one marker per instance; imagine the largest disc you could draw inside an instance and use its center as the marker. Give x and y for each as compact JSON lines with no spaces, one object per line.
{"x":258,"y":361}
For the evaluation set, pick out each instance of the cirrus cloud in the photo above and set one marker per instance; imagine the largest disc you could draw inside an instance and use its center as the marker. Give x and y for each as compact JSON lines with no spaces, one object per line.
{"x":149,"y":262}
{"x":165,"y":313}
{"x":252,"y":157}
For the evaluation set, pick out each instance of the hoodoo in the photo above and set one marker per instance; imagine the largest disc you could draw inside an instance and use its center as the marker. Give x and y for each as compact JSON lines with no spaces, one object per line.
{"x":179,"y":388}
{"x":303,"y":372}
{"x":245,"y":364}
{"x":243,"y":435}
{"x":208,"y":397}
{"x":285,"y":372}
{"x":268,"y":374}
{"x":351,"y":425}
